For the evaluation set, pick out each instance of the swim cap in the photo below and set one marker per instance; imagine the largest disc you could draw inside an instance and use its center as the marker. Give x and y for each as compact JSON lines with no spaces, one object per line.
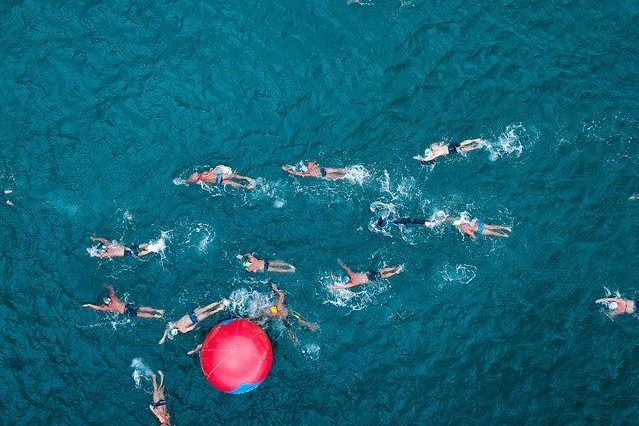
{"x":612,"y":305}
{"x":174,"y":332}
{"x":246,"y":264}
{"x":457,"y":222}
{"x":304,"y":168}
{"x":107,"y":300}
{"x":273,"y":309}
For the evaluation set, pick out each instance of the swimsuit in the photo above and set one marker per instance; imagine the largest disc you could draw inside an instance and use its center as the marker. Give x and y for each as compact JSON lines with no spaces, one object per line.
{"x":322,"y":171}
{"x":159,"y":403}
{"x":480,"y":228}
{"x":131,"y":250}
{"x":373,"y":275}
{"x":266,"y":264}
{"x":219,"y":178}
{"x":193,"y":317}
{"x":131,"y":310}
{"x":452,"y":148}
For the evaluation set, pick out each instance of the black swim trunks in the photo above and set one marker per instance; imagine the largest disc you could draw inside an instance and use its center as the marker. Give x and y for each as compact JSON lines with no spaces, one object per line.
{"x":323,"y":171}
{"x":131,"y":250}
{"x":266,"y":264}
{"x":131,"y":310}
{"x":452,"y":147}
{"x":373,"y":275}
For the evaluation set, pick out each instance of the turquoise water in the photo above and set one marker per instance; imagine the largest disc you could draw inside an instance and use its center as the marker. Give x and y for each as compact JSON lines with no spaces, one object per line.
{"x":104,"y":105}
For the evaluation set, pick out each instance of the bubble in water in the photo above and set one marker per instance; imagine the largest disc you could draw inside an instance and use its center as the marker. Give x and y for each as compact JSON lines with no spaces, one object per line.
{"x":463,"y":274}
{"x":279,"y":203}
{"x":311,"y":351}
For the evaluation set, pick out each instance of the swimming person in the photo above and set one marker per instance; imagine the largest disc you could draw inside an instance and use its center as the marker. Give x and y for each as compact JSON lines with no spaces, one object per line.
{"x":474,"y":227}
{"x":279,"y":311}
{"x":8,"y":202}
{"x":108,"y":248}
{"x":381,"y":222}
{"x":359,"y":278}
{"x":114,"y":304}
{"x":253,"y":264}
{"x":440,"y":149}
{"x":158,"y":408}
{"x":222,"y":175}
{"x":311,"y":168}
{"x":189,"y":321}
{"x":618,"y":306}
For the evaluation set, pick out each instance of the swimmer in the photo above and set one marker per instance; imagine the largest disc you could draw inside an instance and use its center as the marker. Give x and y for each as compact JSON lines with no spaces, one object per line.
{"x":618,"y":306}
{"x":359,"y":278}
{"x":474,"y":227}
{"x":189,"y":321}
{"x":109,"y":249}
{"x":280,"y":311}
{"x":8,"y":202}
{"x":158,"y":408}
{"x":222,"y":175}
{"x":253,"y":264}
{"x":114,"y":304}
{"x":440,"y":149}
{"x":311,"y":168}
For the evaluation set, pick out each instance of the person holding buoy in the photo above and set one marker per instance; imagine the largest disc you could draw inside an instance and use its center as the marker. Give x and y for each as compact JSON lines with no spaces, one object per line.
{"x":253,"y":264}
{"x":190,"y":320}
{"x":279,"y":311}
{"x":312,"y":169}
{"x":618,"y":306}
{"x":475,"y":227}
{"x":114,"y":304}
{"x":359,"y":278}
{"x":158,"y":408}
{"x":222,"y":175}
{"x":111,"y":248}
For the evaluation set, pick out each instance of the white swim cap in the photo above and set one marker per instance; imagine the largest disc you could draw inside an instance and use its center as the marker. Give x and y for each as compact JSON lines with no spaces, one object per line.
{"x":612,"y":305}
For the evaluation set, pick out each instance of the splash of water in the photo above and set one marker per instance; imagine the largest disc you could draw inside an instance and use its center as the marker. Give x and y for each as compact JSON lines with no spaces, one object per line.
{"x":508,"y":143}
{"x":140,"y":371}
{"x":357,"y":174}
{"x":245,"y":302}
{"x":462,"y":274}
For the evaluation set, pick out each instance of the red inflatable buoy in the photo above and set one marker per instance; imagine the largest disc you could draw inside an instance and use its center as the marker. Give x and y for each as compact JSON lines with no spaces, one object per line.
{"x":236,"y":356}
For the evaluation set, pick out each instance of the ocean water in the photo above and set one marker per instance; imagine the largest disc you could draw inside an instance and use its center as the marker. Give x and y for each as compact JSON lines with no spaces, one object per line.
{"x":107,"y":105}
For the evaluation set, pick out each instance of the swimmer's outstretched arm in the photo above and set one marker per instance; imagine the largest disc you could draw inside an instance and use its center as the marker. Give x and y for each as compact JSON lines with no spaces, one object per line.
{"x":349,"y":285}
{"x":96,"y":307}
{"x":163,"y":339}
{"x":345,"y":268}
{"x":100,"y":240}
{"x":293,"y":171}
{"x":195,"y":350}
{"x":280,"y":293}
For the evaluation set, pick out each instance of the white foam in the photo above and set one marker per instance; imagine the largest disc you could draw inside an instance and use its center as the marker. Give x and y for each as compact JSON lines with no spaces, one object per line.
{"x":140,"y":371}
{"x":461,"y":273}
{"x":311,"y":350}
{"x":357,"y":174}
{"x":508,"y":143}
{"x":245,"y":302}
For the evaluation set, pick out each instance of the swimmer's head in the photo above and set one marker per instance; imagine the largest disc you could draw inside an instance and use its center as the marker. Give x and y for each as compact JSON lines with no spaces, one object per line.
{"x":107,"y":300}
{"x":246,"y":264}
{"x":174,"y":332}
{"x":612,"y":305}
{"x":457,"y":222}
{"x":273,"y":309}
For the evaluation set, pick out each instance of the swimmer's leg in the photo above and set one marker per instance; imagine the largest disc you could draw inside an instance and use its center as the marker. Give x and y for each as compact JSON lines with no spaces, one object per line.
{"x":239,"y":181}
{"x":309,"y":325}
{"x":490,"y":232}
{"x":470,"y":144}
{"x":154,"y":381}
{"x":498,"y":227}
{"x":280,"y":266}
{"x":208,"y":310}
{"x":389,"y":272}
{"x":335,"y":173}
{"x":161,"y":379}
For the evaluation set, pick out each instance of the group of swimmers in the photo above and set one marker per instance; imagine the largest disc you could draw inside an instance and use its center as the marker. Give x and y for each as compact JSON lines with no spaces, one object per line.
{"x":224,"y":175}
